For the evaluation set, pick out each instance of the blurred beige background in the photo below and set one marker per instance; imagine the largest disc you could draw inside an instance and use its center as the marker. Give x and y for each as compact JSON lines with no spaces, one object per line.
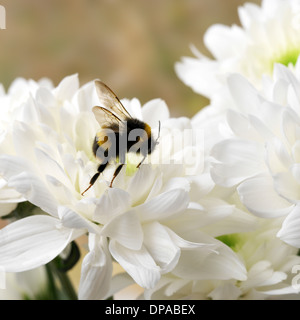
{"x":132,"y":45}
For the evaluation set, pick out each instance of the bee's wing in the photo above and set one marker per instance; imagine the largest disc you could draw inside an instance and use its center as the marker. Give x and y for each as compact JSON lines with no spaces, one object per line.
{"x":110,"y":101}
{"x":106,"y":118}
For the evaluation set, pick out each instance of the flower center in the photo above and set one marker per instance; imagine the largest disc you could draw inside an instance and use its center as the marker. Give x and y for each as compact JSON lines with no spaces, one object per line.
{"x":132,"y":160}
{"x":288,"y":57}
{"x":131,"y":169}
{"x":231,"y":240}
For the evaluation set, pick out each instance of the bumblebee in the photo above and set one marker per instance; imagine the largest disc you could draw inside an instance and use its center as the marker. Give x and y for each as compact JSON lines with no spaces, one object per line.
{"x":120,"y":134}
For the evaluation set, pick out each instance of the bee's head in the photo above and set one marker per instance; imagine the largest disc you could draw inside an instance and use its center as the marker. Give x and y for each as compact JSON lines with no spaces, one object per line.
{"x":140,"y":139}
{"x":144,"y":142}
{"x":151,"y":143}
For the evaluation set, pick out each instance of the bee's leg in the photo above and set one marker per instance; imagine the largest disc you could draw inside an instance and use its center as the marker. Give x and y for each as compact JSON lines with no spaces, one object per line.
{"x":141,"y":162}
{"x":116,"y":173}
{"x":95,"y":177}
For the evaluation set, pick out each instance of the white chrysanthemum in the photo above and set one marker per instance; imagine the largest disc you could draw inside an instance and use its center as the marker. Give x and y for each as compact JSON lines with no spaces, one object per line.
{"x":268,"y":261}
{"x":269,"y":34}
{"x":47,"y":158}
{"x":260,"y":155}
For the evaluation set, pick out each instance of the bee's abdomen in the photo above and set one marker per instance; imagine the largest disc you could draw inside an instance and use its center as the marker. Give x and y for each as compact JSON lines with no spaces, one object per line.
{"x":95,"y":146}
{"x":106,"y":145}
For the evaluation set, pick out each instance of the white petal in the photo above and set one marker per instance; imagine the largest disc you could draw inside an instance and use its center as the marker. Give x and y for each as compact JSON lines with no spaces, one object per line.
{"x":138,"y":264}
{"x":203,"y":263}
{"x":261,"y":274}
{"x":67,"y":88}
{"x":51,"y":167}
{"x":141,"y":184}
{"x":86,"y":97}
{"x":33,"y":282}
{"x":238,"y":221}
{"x":125,"y":229}
{"x":237,"y":160}
{"x":134,"y":107}
{"x":174,"y":286}
{"x":154,"y":111}
{"x":240,"y":125}
{"x":8,"y":194}
{"x":96,"y":271}
{"x":73,"y":220}
{"x":189,"y":70}
{"x":247,"y":13}
{"x":176,"y":183}
{"x":164,"y":205}
{"x":159,"y":292}
{"x":261,"y":126}
{"x":193,"y":218}
{"x":284,"y":73}
{"x":226,"y":291}
{"x":296,"y":152}
{"x":201,"y":185}
{"x":290,"y":230}
{"x":23,"y":137}
{"x":223,"y":41}
{"x":156,"y":188}
{"x":114,"y":202}
{"x":34,"y":190}
{"x":31,"y":242}
{"x":84,"y":129}
{"x":27,"y":183}
{"x":189,"y":245}
{"x":161,"y":246}
{"x":290,"y":125}
{"x":45,"y":97}
{"x":270,"y":113}
{"x":19,"y":86}
{"x":282,"y":291}
{"x":259,"y":196}
{"x":244,"y":94}
{"x":13,"y":165}
{"x":296,"y":172}
{"x":277,"y":157}
{"x":119,"y":281}
{"x":287,"y":186}
{"x":2,"y":91}
{"x":196,"y":266}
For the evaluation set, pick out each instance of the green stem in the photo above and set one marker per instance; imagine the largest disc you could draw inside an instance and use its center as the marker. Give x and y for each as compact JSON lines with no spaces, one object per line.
{"x":66,"y":285}
{"x":53,"y":294}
